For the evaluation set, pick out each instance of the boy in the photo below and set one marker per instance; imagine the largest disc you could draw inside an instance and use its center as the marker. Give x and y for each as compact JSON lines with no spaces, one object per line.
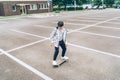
{"x":58,"y":38}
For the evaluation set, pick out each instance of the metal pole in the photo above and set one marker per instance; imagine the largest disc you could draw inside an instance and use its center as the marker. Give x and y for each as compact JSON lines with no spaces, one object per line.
{"x":102,"y":2}
{"x":48,"y":2}
{"x":22,"y":9}
{"x":75,"y":4}
{"x":92,"y":3}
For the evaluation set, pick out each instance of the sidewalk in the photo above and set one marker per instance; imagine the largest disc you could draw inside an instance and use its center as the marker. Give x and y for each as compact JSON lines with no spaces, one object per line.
{"x":12,"y":17}
{"x":43,"y":15}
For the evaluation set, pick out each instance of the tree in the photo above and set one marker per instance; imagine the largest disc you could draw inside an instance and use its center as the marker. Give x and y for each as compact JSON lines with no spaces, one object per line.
{"x":60,"y":3}
{"x":109,"y":3}
{"x":117,"y":2}
{"x":97,"y":2}
{"x":78,"y":2}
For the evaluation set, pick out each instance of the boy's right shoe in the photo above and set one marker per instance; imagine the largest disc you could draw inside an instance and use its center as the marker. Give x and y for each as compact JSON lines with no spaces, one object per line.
{"x":54,"y":63}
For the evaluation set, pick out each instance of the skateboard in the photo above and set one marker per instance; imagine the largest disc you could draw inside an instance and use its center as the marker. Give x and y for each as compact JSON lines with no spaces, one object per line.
{"x":60,"y":63}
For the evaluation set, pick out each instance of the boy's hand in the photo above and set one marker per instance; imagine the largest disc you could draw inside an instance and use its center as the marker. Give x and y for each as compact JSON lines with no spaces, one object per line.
{"x":66,"y":45}
{"x":51,"y":44}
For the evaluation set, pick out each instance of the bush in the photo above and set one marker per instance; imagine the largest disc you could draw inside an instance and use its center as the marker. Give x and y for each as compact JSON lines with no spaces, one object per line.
{"x":57,"y":10}
{"x":72,"y":8}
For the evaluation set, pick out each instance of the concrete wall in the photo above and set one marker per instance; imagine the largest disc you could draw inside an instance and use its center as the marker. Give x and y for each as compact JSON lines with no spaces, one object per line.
{"x":1,"y":9}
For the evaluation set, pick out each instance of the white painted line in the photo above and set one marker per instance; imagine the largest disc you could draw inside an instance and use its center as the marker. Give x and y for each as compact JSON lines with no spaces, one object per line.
{"x":43,"y":26}
{"x":110,"y":54}
{"x":96,"y":18}
{"x":82,"y":20}
{"x":45,"y":38}
{"x":27,"y":33}
{"x":49,"y":27}
{"x":11,"y":18}
{"x":98,"y":51}
{"x":27,"y":45}
{"x":113,"y":22}
{"x":107,"y":27}
{"x":74,"y":23}
{"x":92,"y":25}
{"x":40,"y":74}
{"x":99,"y":34}
{"x":68,"y":32}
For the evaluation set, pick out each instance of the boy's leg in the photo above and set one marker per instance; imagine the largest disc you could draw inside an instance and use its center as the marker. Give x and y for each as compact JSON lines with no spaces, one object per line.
{"x":63,"y":46}
{"x":56,"y":53}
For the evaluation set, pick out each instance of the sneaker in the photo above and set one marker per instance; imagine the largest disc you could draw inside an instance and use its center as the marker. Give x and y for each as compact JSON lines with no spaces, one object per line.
{"x":65,"y":58}
{"x":54,"y":63}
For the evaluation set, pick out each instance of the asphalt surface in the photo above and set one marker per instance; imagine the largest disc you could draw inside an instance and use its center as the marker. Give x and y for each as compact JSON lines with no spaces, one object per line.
{"x":93,"y":46}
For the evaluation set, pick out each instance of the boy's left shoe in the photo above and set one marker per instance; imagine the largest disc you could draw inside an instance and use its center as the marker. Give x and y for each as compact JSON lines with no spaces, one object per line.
{"x":65,"y":58}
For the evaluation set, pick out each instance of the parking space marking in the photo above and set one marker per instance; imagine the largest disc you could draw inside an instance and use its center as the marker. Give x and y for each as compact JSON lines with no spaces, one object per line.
{"x":113,"y":22}
{"x":82,"y":20}
{"x":98,"y":34}
{"x":11,"y":18}
{"x":26,"y":33}
{"x":30,"y":44}
{"x":93,"y":25}
{"x":107,"y":27}
{"x":94,"y":50}
{"x":35,"y":71}
{"x":48,"y":38}
{"x":41,"y":26}
{"x":91,"y":18}
{"x":106,"y":53}
{"x":74,"y":23}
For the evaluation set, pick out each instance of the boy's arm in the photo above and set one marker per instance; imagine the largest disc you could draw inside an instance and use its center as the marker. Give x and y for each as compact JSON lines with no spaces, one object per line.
{"x":65,"y":36}
{"x":52,"y":35}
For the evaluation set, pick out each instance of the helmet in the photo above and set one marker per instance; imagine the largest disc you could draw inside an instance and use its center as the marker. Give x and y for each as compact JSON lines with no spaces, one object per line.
{"x":60,"y":23}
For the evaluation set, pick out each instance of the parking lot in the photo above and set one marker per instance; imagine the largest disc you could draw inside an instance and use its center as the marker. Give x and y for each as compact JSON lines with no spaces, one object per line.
{"x":93,"y":46}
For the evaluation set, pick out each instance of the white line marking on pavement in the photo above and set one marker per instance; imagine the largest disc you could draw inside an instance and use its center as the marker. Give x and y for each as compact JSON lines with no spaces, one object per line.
{"x":92,"y":25}
{"x":43,"y":26}
{"x":82,"y":20}
{"x":27,"y":45}
{"x":27,"y":33}
{"x":49,"y":27}
{"x":107,"y":27}
{"x":74,"y":23}
{"x":98,"y":51}
{"x":97,"y":18}
{"x":113,"y":22}
{"x":110,"y":54}
{"x":98,"y":34}
{"x":68,"y":32}
{"x":48,"y":38}
{"x":26,"y":66}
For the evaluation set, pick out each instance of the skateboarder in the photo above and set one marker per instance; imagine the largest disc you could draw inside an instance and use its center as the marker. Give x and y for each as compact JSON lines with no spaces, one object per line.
{"x":58,"y":38}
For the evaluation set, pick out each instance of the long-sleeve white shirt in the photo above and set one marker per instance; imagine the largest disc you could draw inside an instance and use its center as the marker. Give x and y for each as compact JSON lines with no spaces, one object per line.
{"x":58,"y":35}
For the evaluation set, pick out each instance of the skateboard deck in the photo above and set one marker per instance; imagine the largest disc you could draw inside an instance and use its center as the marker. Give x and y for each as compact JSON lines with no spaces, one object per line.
{"x":60,"y":63}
